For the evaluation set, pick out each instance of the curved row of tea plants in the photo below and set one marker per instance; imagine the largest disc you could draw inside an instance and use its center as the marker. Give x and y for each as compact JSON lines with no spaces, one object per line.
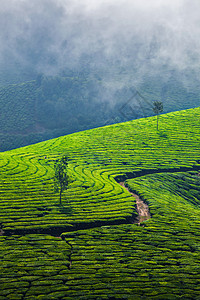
{"x":122,"y":261}
{"x":32,"y":265}
{"x":157,"y":261}
{"x":28,"y":201}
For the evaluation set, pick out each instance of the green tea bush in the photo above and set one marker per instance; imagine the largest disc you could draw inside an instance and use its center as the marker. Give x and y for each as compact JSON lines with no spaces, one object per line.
{"x":103,"y":255}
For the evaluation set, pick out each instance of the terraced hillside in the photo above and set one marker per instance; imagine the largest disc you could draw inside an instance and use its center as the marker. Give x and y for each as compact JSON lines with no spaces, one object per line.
{"x":47,"y":107}
{"x":102,"y":253}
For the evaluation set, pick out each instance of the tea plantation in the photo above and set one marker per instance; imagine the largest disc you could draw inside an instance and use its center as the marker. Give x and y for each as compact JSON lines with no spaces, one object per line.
{"x":91,"y":247}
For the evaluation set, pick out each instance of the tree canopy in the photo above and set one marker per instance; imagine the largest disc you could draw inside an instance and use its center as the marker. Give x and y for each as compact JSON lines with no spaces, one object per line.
{"x":61,"y":179}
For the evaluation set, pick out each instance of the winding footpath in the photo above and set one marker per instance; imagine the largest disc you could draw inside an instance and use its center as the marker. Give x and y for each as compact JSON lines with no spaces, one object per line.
{"x":141,"y":207}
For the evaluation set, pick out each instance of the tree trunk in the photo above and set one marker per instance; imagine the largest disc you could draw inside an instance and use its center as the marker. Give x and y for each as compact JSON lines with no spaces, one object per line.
{"x":60,"y":196}
{"x":157,"y":121}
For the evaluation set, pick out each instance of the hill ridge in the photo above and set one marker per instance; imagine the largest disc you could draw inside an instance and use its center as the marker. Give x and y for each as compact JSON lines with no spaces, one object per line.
{"x":116,"y":261}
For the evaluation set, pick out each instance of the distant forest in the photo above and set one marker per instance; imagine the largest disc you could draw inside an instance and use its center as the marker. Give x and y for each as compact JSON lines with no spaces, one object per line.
{"x":48,"y":107}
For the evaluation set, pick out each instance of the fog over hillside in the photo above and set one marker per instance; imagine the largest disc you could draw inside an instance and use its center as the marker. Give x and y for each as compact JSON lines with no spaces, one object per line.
{"x":142,"y":36}
{"x":82,"y":61}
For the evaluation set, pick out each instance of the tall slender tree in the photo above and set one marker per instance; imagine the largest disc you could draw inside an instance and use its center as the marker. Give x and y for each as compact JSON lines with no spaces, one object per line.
{"x":61,"y":178}
{"x":157,"y":109}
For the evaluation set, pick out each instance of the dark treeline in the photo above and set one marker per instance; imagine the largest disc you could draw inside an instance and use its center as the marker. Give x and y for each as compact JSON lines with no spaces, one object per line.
{"x":49,"y":107}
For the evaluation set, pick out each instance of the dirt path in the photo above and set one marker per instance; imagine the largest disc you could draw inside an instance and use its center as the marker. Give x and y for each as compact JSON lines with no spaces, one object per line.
{"x":141,"y":207}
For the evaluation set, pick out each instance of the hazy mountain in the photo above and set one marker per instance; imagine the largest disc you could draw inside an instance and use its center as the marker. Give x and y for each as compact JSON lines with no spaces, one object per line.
{"x":69,"y":65}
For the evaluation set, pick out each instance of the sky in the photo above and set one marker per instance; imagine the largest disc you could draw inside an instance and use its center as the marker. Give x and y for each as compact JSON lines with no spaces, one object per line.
{"x":145,"y":35}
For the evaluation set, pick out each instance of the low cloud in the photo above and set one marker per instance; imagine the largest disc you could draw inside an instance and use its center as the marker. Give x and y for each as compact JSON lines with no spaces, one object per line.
{"x":131,"y":37}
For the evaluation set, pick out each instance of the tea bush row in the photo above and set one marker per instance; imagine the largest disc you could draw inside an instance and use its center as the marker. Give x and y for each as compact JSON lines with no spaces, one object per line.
{"x":31,"y":264}
{"x":156,"y":261}
{"x":96,"y":157}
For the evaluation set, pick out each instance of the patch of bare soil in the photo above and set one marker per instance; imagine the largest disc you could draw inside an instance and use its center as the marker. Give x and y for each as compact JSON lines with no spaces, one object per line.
{"x":141,"y":207}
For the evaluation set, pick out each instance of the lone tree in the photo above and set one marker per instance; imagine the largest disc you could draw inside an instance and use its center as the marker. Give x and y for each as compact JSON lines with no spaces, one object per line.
{"x":61,"y":179}
{"x":157,"y":109}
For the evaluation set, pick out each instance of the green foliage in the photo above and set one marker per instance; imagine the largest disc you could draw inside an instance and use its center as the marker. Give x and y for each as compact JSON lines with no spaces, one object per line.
{"x":157,"y":107}
{"x":31,"y":265}
{"x":61,"y":178}
{"x":114,"y":259}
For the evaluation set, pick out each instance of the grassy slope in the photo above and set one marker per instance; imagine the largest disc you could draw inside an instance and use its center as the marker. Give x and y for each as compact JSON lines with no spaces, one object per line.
{"x":134,"y":258}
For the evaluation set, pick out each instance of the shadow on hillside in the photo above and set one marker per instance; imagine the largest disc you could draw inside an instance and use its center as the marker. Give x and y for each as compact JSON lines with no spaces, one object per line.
{"x":162,"y":135}
{"x":68,"y":210}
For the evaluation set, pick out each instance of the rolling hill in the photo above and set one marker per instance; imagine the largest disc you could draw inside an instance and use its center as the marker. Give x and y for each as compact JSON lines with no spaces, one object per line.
{"x":48,"y":107}
{"x":90,"y":247}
